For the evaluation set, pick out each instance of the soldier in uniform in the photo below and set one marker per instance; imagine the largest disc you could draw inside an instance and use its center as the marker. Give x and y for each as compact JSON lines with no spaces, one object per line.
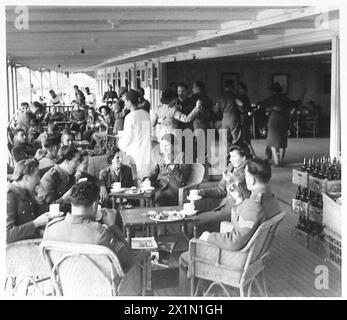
{"x":80,"y":226}
{"x":57,"y":181}
{"x":246,"y":215}
{"x":25,"y":215}
{"x":235,"y":173}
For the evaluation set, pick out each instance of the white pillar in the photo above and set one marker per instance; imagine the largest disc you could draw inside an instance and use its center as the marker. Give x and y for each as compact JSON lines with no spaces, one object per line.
{"x":8,"y":94}
{"x":31,"y":91}
{"x":335,"y":109}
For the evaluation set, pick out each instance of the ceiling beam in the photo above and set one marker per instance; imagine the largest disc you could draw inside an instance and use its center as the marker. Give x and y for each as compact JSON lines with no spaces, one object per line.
{"x":294,"y":14}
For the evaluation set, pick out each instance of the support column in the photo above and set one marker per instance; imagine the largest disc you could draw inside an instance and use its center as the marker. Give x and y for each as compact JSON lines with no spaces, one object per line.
{"x":31,"y":91}
{"x":41,"y":83}
{"x":335,"y":108}
{"x":13,"y":91}
{"x":16,"y":83}
{"x":8,"y":95}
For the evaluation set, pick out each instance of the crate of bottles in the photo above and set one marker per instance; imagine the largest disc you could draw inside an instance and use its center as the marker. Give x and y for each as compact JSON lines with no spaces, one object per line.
{"x":332,"y":216}
{"x":300,"y":178}
{"x":317,"y":185}
{"x":299,"y":207}
{"x":333,"y":186}
{"x":315,"y":214}
{"x":316,"y":244}
{"x":333,"y":247}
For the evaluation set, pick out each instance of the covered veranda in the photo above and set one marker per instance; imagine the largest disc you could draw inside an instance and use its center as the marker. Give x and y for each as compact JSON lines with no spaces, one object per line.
{"x":151,"y":47}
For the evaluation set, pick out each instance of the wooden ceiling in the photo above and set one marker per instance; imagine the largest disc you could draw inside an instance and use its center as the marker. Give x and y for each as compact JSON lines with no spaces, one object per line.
{"x":111,"y":35}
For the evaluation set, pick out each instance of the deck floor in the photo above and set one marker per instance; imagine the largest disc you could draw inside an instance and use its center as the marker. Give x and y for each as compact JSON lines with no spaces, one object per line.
{"x":290,"y":269}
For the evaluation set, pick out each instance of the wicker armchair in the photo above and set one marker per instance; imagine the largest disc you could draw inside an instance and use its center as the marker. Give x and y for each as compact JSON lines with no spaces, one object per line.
{"x":24,"y":263}
{"x":93,"y":270}
{"x":236,"y":269}
{"x":196,"y":176}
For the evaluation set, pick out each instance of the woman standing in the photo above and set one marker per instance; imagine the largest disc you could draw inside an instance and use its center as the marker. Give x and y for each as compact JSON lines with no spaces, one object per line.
{"x":136,"y":138}
{"x":279,"y":106}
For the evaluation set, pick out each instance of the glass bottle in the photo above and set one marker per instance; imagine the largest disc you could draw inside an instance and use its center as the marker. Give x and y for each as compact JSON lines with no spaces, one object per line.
{"x":304,"y":166}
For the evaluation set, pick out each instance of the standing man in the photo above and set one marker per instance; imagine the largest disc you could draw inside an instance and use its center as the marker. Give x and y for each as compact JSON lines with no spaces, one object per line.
{"x":227,"y":109}
{"x":80,"y":98}
{"x":110,"y":95}
{"x":90,"y":98}
{"x":144,"y":104}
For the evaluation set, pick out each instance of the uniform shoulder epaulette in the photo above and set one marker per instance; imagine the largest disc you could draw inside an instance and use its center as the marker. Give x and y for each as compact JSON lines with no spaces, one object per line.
{"x":257,"y":197}
{"x":55,"y":220}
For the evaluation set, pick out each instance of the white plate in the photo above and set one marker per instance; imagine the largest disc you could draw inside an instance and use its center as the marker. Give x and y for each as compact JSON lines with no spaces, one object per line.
{"x":180,"y":216}
{"x":138,"y":191}
{"x":189,"y":213}
{"x":118,"y":190}
{"x":149,"y":189}
{"x":194,"y":198}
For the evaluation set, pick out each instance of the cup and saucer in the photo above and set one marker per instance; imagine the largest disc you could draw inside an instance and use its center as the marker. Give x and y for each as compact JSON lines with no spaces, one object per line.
{"x":188,"y":209}
{"x":116,"y":187}
{"x":193,"y":195}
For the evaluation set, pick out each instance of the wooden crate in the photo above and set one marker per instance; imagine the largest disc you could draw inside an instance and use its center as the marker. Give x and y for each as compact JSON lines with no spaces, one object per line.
{"x":315,"y":214}
{"x":300,"y":178}
{"x":301,"y":236}
{"x":317,"y":185}
{"x":332,"y":215}
{"x":316,"y":244}
{"x":299,"y":207}
{"x":333,"y":186}
{"x":333,"y":247}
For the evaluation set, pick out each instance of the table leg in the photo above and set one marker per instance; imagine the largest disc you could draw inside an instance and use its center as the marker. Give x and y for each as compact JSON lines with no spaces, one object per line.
{"x":128,"y":235}
{"x":142,"y":203}
{"x":194,"y":230}
{"x":114,"y":202}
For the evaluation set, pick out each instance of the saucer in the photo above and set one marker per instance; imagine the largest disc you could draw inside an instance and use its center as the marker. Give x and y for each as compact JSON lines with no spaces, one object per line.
{"x":194,"y":198}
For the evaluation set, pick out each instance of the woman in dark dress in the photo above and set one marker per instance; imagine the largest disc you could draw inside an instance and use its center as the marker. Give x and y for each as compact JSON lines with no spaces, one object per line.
{"x":279,"y":106}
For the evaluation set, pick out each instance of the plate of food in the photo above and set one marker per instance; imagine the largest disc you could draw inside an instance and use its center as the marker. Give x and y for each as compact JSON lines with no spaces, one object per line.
{"x":166,"y":216}
{"x":134,"y":190}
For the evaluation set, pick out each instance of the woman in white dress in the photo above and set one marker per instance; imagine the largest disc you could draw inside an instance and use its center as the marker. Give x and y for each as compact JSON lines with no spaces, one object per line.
{"x":135,"y":139}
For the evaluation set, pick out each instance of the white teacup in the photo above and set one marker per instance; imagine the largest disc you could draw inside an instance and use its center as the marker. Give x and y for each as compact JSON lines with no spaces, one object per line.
{"x":146,"y":184}
{"x":194,"y":193}
{"x":188,"y":207}
{"x":54,"y":209}
{"x":116,"y":186}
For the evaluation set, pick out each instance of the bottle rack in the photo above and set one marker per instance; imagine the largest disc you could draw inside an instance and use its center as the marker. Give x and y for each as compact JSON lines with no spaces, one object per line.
{"x":311,"y":234}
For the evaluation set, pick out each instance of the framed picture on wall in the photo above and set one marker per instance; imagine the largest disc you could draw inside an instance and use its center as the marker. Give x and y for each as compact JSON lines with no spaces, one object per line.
{"x":282,"y":79}
{"x":327,"y":83}
{"x":229,"y":76}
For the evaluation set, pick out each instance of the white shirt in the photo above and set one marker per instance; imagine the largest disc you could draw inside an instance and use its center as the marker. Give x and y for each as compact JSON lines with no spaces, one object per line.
{"x":136,"y":140}
{"x":91,"y":100}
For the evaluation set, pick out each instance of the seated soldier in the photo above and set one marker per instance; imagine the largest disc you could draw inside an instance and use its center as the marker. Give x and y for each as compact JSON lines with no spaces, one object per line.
{"x":116,"y":172}
{"x":245,"y":216}
{"x":25,"y":214}
{"x":80,"y":226}
{"x":51,"y":146}
{"x":78,"y":118}
{"x":82,"y":170}
{"x":235,"y":173}
{"x":21,"y":149}
{"x":23,"y":118}
{"x":54,"y":115}
{"x":169,"y":173}
{"x":67,"y":138}
{"x":52,"y":132}
{"x":56,"y":183}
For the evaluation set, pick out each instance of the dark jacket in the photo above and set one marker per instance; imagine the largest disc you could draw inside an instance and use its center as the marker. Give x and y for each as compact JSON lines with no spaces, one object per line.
{"x":108,"y":176}
{"x":110,"y":95}
{"x":22,"y":209}
{"x":22,"y":151}
{"x":248,"y":216}
{"x":54,"y":183}
{"x":84,"y":230}
{"x":186,"y":106}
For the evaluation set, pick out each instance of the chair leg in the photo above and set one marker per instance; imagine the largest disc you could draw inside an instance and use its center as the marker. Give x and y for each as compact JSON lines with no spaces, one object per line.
{"x":249,"y":292}
{"x":242,"y":294}
{"x":217,"y":284}
{"x":259,"y":286}
{"x":192,"y":285}
{"x":264,"y":284}
{"x":197,"y":288}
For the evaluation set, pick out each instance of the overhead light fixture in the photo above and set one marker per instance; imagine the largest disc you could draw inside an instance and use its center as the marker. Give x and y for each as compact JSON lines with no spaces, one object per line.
{"x":294,"y":55}
{"x":194,"y":57}
{"x":82,"y":50}
{"x":174,"y":58}
{"x":291,"y":49}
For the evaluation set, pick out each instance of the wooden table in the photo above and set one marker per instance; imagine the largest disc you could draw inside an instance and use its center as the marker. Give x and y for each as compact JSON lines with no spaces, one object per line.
{"x":146,"y":198}
{"x":133,"y":218}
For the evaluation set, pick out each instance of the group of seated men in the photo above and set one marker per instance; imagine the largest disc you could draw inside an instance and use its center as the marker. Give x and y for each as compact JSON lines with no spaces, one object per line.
{"x":50,"y":169}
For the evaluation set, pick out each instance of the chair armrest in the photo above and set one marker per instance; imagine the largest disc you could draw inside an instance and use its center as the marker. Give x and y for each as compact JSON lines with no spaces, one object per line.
{"x":183,"y":192}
